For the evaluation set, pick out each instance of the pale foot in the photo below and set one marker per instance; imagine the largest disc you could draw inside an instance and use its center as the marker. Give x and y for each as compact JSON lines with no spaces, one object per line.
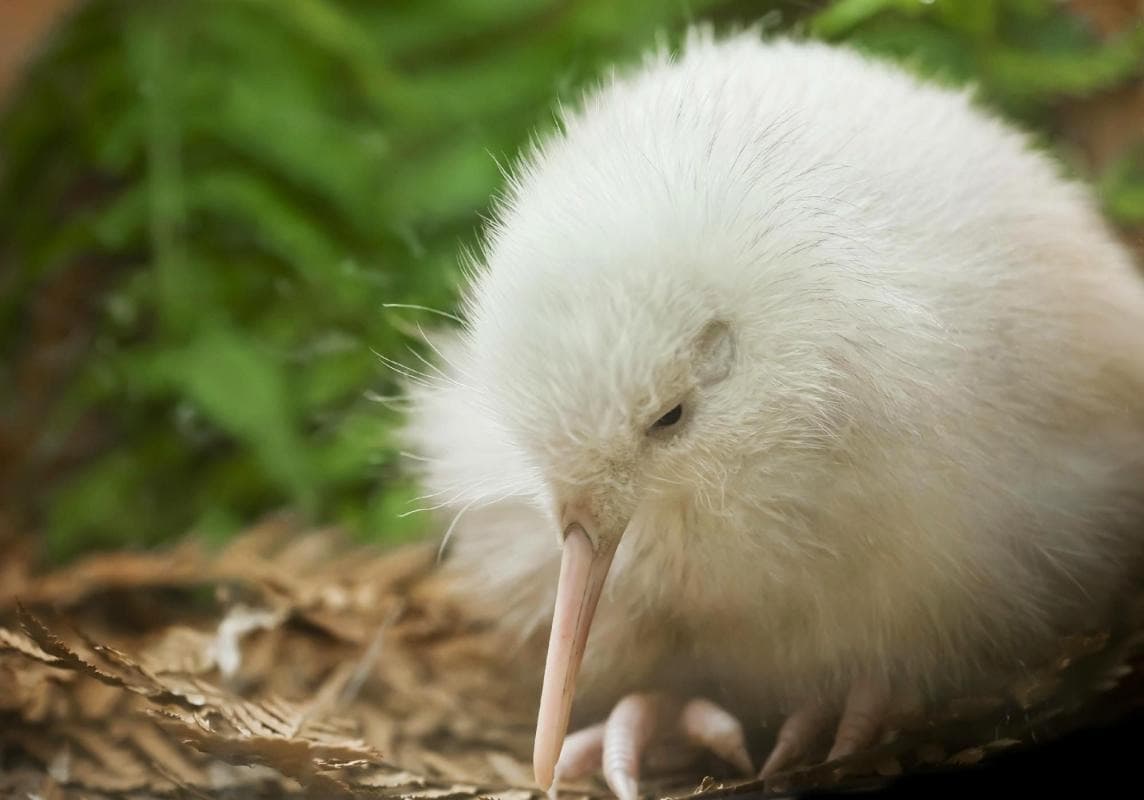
{"x":618,"y":746}
{"x":860,"y":724}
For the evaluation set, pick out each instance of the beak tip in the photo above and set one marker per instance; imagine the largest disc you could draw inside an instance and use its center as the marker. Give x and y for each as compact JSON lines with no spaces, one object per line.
{"x":544,"y":762}
{"x":544,"y":777}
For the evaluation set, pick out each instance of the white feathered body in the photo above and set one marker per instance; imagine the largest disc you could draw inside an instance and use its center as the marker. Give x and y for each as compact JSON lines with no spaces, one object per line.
{"x":928,"y":456}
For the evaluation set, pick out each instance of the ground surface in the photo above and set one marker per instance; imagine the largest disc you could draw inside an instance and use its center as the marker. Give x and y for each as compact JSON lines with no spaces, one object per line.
{"x":291,"y":664}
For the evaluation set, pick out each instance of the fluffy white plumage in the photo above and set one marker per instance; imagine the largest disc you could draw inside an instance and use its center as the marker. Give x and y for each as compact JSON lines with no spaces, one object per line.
{"x":909,"y":353}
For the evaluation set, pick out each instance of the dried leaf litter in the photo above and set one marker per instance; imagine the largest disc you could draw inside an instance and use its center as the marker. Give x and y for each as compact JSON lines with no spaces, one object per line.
{"x":293,"y":664}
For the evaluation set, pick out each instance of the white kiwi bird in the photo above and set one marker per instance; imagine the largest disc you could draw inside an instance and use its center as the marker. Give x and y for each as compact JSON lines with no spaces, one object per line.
{"x":808,"y":387}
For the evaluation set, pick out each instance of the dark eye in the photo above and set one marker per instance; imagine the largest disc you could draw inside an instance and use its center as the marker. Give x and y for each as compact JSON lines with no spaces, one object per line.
{"x":670,"y":418}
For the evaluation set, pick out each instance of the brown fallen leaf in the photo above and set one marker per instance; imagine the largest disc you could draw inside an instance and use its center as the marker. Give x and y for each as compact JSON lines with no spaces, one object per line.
{"x":347,"y":672}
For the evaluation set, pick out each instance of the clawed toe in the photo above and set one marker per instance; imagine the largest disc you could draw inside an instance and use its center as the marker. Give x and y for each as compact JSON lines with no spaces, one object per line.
{"x":862,"y":719}
{"x":860,"y":723}
{"x":712,"y":728}
{"x":795,"y":737}
{"x":581,"y":754}
{"x":630,"y":727}
{"x":619,"y":745}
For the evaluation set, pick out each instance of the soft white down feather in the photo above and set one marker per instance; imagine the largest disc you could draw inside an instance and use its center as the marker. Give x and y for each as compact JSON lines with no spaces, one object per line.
{"x":910,"y":359}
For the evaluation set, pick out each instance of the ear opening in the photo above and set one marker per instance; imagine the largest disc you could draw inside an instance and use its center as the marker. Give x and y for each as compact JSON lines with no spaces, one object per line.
{"x":714,"y":352}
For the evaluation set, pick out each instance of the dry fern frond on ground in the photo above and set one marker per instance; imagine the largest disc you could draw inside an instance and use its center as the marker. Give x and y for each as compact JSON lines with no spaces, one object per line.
{"x":291,"y":664}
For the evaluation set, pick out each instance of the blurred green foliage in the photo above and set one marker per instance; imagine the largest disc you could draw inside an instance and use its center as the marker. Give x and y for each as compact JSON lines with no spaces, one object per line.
{"x":252,"y":181}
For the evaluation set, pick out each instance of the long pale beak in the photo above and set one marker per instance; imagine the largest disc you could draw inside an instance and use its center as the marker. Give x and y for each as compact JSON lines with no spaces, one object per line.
{"x":583,"y":570}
